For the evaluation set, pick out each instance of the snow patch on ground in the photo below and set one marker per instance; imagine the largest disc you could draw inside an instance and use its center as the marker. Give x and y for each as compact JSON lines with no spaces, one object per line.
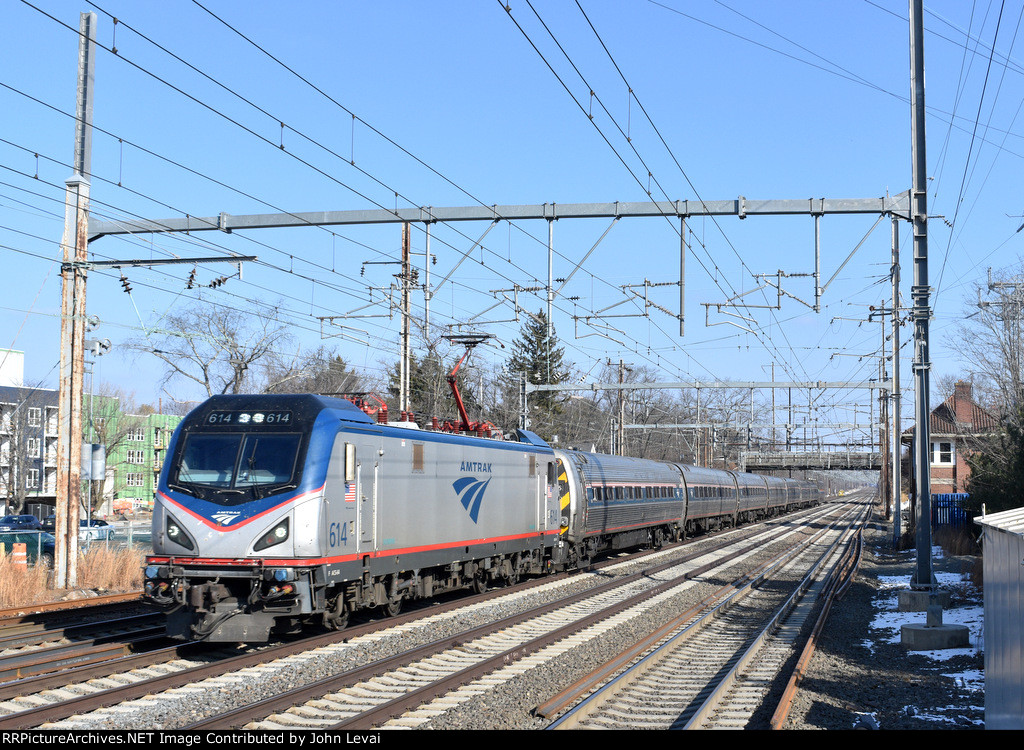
{"x":888,"y":621}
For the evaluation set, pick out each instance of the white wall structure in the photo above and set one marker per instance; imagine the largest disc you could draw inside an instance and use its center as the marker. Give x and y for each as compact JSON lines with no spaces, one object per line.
{"x":1003,"y":550}
{"x":12,"y":368}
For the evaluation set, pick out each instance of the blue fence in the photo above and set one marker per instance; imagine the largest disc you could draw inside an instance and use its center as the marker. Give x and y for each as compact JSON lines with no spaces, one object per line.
{"x":947,"y":510}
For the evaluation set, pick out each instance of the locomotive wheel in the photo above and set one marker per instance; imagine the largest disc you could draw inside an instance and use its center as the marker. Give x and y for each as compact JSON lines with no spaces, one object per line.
{"x":513,"y":577}
{"x":393,"y":607}
{"x":480,"y":583}
{"x":336,"y":618}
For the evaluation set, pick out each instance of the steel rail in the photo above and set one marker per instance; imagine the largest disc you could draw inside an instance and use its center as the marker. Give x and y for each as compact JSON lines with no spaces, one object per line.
{"x":707,"y":610}
{"x":835,"y":591}
{"x":25,"y":611}
{"x":253,"y":712}
{"x":716,"y":697}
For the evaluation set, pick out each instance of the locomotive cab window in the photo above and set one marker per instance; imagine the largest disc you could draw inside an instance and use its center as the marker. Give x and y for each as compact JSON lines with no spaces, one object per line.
{"x":235,"y":467}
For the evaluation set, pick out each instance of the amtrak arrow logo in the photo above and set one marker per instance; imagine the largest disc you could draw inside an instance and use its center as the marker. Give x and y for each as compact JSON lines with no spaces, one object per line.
{"x":471,"y":492}
{"x":225,"y":518}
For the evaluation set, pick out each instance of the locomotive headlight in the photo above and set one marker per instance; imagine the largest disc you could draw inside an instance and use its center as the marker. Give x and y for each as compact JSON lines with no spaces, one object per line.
{"x":275,"y":535}
{"x":177,"y":534}
{"x":152,"y":571}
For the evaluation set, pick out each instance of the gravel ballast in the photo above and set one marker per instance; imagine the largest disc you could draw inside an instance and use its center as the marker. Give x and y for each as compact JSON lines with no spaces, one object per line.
{"x":862,"y":677}
{"x":860,"y":674}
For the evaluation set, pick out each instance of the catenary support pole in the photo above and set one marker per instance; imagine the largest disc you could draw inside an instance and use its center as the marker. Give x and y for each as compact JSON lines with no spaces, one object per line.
{"x":923,"y":579}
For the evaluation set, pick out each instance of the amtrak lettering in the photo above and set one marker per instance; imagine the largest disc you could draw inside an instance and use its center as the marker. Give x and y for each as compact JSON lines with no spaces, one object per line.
{"x":475,"y":466}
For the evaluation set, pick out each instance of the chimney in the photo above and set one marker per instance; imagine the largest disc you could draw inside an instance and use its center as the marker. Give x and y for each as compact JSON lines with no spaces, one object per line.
{"x":963,"y":402}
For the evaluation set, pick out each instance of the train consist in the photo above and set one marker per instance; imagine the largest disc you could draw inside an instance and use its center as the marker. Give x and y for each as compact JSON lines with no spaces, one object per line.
{"x":279,"y":511}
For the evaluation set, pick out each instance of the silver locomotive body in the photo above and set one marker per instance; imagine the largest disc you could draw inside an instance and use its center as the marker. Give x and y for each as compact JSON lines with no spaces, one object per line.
{"x":279,"y":510}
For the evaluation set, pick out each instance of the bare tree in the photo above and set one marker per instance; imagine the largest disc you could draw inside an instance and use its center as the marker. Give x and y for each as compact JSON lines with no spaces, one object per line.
{"x":990,"y":344}
{"x":221,"y":349}
{"x":321,"y":371}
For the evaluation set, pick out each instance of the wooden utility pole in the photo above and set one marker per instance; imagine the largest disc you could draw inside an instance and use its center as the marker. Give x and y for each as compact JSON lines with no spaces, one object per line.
{"x":75,"y":246}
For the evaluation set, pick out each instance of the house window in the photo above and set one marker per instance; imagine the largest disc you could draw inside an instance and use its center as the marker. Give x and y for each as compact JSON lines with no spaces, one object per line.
{"x":136,"y":457}
{"x":32,"y":479}
{"x":137,"y":435}
{"x":134,"y":480}
{"x":35,"y":416}
{"x":942,"y":453}
{"x":32,"y":448}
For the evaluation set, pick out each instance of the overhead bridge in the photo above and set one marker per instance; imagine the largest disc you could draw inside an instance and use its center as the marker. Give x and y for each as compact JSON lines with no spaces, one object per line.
{"x":758,"y":461}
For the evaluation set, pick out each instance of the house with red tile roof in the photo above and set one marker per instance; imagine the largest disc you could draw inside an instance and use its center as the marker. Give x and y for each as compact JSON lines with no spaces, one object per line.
{"x":955,"y":426}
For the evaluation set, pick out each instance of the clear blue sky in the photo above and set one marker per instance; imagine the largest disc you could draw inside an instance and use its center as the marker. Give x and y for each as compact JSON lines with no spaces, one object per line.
{"x":781,"y":100}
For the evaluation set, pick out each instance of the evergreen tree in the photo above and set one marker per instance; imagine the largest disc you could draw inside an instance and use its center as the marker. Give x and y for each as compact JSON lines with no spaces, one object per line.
{"x":543,"y":361}
{"x":997,"y":470}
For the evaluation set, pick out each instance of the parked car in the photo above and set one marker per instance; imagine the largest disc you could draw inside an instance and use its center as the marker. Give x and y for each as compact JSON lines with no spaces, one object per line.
{"x":39,"y":546}
{"x":94,"y":529}
{"x":50,"y":523}
{"x":20,"y":523}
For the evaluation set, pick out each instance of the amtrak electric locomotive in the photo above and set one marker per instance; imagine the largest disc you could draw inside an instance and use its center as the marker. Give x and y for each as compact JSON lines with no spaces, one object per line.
{"x":280,"y":510}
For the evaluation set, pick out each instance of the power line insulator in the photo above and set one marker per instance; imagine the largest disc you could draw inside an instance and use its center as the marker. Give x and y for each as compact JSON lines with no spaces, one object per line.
{"x":125,"y":285}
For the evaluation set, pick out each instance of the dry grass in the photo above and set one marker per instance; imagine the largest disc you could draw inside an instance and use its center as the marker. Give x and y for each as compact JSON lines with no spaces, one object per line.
{"x":21,"y":585}
{"x":111,"y":569}
{"x":103,"y":569}
{"x":962,"y":541}
{"x":957,"y":540}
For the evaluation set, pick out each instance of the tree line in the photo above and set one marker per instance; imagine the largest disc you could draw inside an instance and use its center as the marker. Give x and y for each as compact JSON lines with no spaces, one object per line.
{"x":222,"y":351}
{"x":989,"y":343}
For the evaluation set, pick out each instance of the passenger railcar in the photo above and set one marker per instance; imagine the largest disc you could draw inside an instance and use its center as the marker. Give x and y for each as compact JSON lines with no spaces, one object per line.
{"x":278,"y":511}
{"x":711,"y":498}
{"x":613,"y":502}
{"x":752,"y":497}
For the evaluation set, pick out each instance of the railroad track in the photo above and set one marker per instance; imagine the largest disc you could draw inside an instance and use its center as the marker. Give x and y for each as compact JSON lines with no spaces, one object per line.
{"x":713,"y":667}
{"x":31,"y":611}
{"x":51,"y":637}
{"x":402,"y":690}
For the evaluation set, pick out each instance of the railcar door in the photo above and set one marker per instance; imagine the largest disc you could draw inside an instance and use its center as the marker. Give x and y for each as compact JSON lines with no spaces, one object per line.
{"x":338,"y":532}
{"x":369,"y":476}
{"x":363,"y":493}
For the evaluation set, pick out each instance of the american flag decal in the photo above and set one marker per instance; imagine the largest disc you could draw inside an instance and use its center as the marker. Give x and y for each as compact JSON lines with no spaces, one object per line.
{"x":350,"y":491}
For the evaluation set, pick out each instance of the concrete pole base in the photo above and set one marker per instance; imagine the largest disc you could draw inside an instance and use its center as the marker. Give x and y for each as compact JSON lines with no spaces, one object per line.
{"x":932,"y":634}
{"x":922,"y":637}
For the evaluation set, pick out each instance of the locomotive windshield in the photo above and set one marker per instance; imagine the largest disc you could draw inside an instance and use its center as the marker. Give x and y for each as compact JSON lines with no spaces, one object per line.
{"x":232,"y":468}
